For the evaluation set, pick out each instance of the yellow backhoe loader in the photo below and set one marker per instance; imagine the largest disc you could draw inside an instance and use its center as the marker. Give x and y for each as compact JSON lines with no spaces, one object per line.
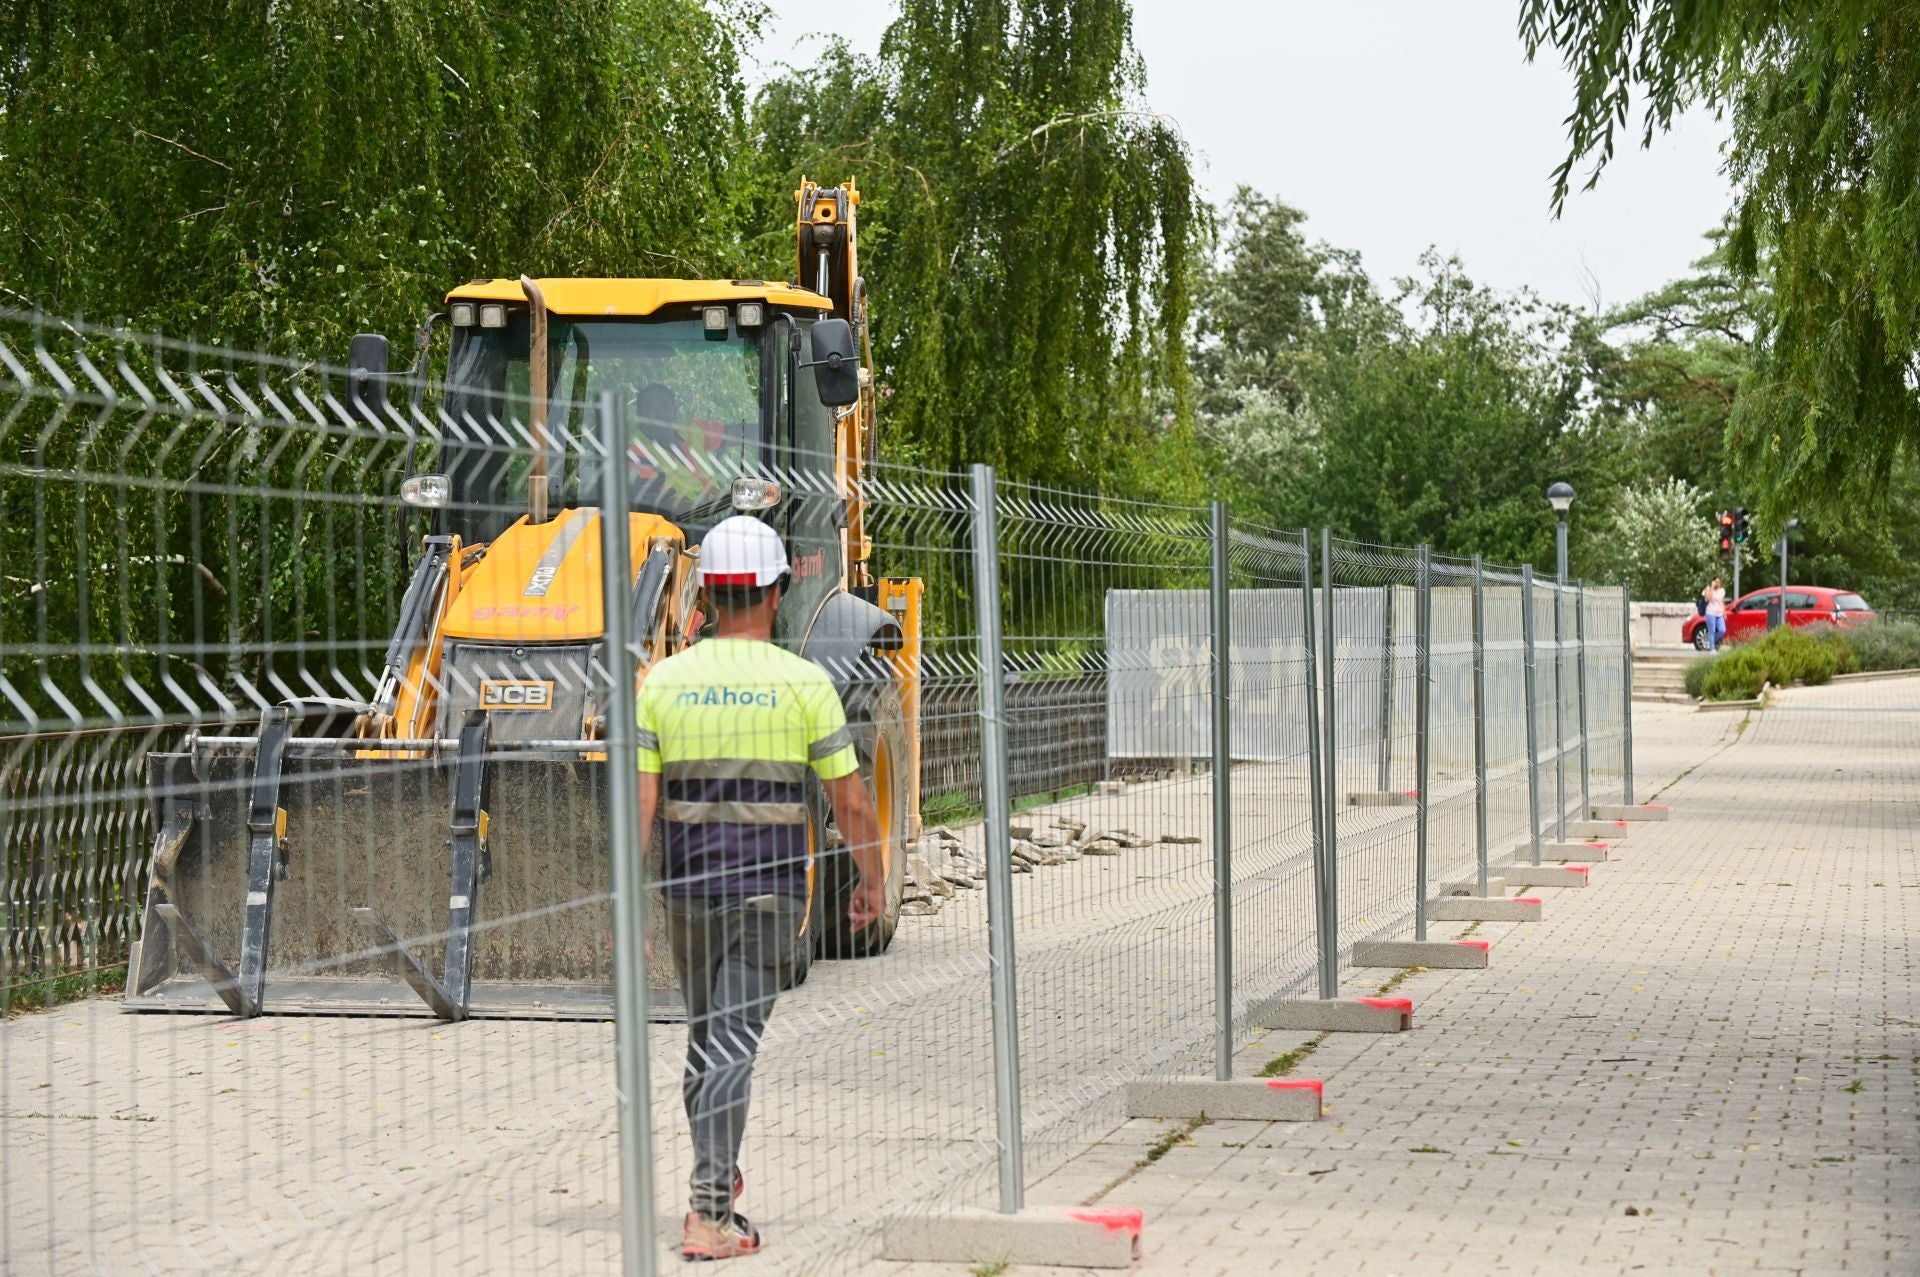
{"x":442,"y":848}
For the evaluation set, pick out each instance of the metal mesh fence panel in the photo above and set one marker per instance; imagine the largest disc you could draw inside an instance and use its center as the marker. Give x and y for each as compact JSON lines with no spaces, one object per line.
{"x":236,"y":762}
{"x":335,"y":716}
{"x":1113,"y":916}
{"x":1504,"y":656}
{"x":1372,"y":658}
{"x":1607,"y":654}
{"x":1272,"y":861}
{"x":1451,"y":797}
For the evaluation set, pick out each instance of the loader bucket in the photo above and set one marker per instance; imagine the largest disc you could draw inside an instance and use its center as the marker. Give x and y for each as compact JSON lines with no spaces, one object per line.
{"x":362,"y":908}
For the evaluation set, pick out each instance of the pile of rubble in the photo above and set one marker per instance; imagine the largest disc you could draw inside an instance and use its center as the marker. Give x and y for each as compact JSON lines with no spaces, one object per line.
{"x":941,"y":863}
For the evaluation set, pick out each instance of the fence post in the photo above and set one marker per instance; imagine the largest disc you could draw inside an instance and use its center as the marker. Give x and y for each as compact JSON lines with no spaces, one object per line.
{"x":1330,"y":760}
{"x":1222,"y":799}
{"x":1386,"y":688}
{"x":1533,"y":710}
{"x":1316,"y":798}
{"x":1626,"y":694}
{"x":1480,"y":723}
{"x":632,"y":1086}
{"x":999,"y":846}
{"x":1559,"y":713}
{"x":1580,"y":665}
{"x":1423,"y":674}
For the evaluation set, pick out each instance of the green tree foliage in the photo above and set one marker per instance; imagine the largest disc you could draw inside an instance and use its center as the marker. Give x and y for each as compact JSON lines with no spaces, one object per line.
{"x":284,"y":175}
{"x":1440,"y":415}
{"x":1822,"y":99}
{"x":1673,"y":364}
{"x":1659,"y":541}
{"x":1033,"y":232}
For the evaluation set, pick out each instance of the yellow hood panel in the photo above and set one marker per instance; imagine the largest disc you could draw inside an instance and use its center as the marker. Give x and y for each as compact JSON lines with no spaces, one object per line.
{"x":540,"y":583}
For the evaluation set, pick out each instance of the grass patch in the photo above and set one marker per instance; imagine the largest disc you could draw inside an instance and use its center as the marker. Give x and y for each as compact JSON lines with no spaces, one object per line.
{"x":1426,"y":1148}
{"x":1855,"y":1087}
{"x":959,"y":807}
{"x":993,"y":1269}
{"x":1280,"y":1065}
{"x":1177,"y":1136}
{"x":52,"y":992}
{"x":1397,"y":979}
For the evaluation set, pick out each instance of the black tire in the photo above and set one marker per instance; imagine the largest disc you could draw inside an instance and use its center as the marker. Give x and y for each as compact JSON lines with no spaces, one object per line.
{"x":1700,"y":639}
{"x":879,"y":740}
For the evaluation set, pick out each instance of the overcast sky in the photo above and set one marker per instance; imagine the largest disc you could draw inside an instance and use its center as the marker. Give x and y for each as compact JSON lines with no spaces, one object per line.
{"x":1396,"y":126}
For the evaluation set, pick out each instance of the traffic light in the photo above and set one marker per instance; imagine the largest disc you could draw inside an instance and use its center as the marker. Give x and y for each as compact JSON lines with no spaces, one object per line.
{"x":1725,"y":523}
{"x":1740,"y":529}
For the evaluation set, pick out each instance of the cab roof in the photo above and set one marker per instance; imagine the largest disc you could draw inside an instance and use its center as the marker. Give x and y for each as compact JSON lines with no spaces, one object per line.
{"x":633,"y":297}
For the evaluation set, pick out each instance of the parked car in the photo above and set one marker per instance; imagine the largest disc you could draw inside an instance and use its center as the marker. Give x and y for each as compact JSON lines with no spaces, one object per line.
{"x":1806,"y":605}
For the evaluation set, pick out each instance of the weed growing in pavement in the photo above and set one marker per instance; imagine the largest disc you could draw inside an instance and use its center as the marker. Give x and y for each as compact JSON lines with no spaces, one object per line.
{"x":1165,"y":1144}
{"x":1284,"y":1063}
{"x":1397,"y":979}
{"x":1855,"y":1088}
{"x":993,"y":1269}
{"x":1426,"y":1148}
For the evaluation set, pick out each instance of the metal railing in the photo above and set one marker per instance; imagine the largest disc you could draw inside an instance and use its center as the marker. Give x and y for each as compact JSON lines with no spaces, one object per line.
{"x":1172,"y":764}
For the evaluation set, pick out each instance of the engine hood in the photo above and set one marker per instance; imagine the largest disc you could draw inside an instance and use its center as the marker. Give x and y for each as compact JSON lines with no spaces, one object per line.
{"x":540,"y":582}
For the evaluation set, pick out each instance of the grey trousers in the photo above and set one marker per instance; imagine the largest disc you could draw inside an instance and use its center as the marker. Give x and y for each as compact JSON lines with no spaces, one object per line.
{"x":733,"y":957}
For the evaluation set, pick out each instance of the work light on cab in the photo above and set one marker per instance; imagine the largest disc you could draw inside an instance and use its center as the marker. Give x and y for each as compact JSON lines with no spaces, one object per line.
{"x":753,"y":495}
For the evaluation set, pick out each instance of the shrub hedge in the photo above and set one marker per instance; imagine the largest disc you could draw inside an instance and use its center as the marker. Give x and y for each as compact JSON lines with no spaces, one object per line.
{"x":1811,"y":655}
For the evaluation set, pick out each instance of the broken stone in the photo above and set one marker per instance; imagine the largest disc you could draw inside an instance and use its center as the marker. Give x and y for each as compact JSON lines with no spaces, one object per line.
{"x":1110,"y":787}
{"x":1180,"y":839}
{"x":1026,"y":851}
{"x":916,"y":893}
{"x":1069,"y":824}
{"x":1047,"y":840}
{"x":953,"y":879}
{"x":1022,"y":867}
{"x":918,"y":908}
{"x":1020,"y":831}
{"x":1100,"y":849}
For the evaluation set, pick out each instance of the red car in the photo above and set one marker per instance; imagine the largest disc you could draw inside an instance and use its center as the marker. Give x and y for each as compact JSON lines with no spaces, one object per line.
{"x":1806,"y":605}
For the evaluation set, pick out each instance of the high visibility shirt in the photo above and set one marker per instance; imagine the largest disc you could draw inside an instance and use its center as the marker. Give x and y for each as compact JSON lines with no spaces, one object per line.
{"x":732,"y":726}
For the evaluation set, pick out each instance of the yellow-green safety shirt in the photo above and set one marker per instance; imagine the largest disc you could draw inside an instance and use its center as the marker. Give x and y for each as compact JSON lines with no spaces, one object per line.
{"x":732,"y":726}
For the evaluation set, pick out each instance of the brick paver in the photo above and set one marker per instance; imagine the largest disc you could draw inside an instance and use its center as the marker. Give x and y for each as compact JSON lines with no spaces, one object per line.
{"x":1732,"y":1057}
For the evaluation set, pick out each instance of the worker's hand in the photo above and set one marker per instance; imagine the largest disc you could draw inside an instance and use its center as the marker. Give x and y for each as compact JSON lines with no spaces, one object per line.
{"x":868,"y":903}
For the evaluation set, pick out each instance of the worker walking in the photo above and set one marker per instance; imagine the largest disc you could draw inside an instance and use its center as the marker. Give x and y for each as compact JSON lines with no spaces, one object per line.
{"x":728,"y":731}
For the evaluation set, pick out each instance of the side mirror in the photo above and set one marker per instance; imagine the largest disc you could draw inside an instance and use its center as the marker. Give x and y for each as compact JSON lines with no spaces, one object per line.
{"x":367,"y":378}
{"x":836,"y":368}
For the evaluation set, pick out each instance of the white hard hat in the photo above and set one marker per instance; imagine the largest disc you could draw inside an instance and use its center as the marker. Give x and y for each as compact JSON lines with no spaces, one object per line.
{"x":742,"y":551}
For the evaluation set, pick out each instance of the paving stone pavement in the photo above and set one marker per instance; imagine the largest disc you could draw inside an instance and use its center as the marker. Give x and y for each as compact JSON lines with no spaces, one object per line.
{"x":1733,"y":1057}
{"x":1706,"y":1063}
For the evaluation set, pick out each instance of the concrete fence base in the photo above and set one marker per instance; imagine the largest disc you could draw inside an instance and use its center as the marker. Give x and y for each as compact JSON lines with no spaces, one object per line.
{"x":1548,"y":875}
{"x":1640,"y":811}
{"x":1484,"y":909}
{"x":1496,"y":886}
{"x":1256,"y":1099}
{"x":1454,"y":955}
{"x":1598,"y":828}
{"x":1573,"y":851}
{"x":1376,"y":798}
{"x":1334,"y":1015}
{"x":1059,"y":1236}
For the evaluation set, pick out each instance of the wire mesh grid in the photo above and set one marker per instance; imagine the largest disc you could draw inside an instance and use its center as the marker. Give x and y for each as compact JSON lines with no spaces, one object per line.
{"x":283,"y":738}
{"x":230,"y":741}
{"x":1608,"y":653}
{"x":1272,"y":650}
{"x":1373,"y":657}
{"x":1113,"y":905}
{"x":1452,"y":789}
{"x":1504,"y":655}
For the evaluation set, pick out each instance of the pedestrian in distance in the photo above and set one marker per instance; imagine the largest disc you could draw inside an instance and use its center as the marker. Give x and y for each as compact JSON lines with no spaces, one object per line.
{"x":1716,"y":597}
{"x":729,"y":730}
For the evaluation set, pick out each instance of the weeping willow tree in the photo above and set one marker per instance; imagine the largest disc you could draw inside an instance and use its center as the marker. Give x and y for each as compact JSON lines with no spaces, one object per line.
{"x":1030,"y":235}
{"x":283,"y":175}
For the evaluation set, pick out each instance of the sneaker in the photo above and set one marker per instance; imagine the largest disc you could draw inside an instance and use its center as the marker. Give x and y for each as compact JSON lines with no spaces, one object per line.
{"x":727,"y":1238}
{"x":739,"y":1184}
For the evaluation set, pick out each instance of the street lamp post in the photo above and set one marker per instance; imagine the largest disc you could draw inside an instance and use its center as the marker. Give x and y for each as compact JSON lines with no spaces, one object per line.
{"x":1560,"y":496}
